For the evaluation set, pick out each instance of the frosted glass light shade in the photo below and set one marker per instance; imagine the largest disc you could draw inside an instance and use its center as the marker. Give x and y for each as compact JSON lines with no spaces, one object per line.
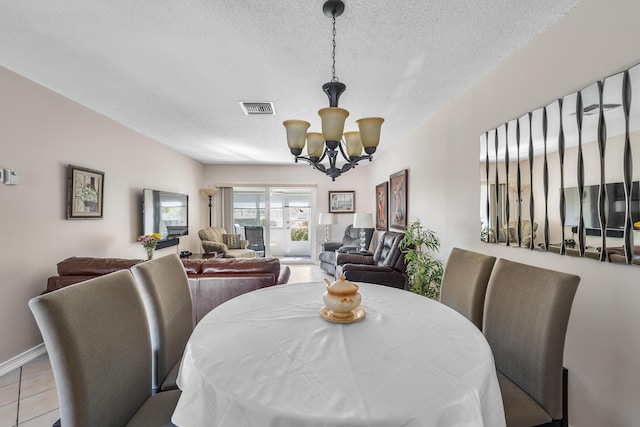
{"x":333,"y":122}
{"x":315,"y":144}
{"x":326,"y":218}
{"x":352,"y":141}
{"x":296,"y":134}
{"x":362,"y":220}
{"x":210,"y":191}
{"x":370,"y":131}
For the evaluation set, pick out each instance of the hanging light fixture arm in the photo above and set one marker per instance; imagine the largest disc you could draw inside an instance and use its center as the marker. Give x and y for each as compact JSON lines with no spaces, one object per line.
{"x":333,"y":171}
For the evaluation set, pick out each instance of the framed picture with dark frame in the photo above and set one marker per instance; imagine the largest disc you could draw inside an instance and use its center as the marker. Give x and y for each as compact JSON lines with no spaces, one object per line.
{"x":342,"y":201}
{"x":85,"y":193}
{"x":398,"y":200}
{"x":382,"y":206}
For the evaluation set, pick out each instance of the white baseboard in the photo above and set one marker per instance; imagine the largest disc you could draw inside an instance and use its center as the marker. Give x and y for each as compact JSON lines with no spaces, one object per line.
{"x":22,"y":359}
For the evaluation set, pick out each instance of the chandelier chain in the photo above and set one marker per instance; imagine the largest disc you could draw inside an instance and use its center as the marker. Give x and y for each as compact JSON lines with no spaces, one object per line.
{"x":333,"y":54}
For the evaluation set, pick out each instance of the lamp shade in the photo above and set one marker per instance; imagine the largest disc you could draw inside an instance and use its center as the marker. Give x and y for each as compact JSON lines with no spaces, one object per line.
{"x":315,"y":144}
{"x":210,"y":191}
{"x":333,"y":122}
{"x":370,"y":131}
{"x":296,"y":134}
{"x":354,"y":146}
{"x":326,"y":218}
{"x":362,"y":220}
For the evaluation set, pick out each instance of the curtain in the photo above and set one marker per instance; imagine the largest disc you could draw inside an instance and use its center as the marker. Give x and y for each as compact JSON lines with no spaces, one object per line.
{"x":226,"y":208}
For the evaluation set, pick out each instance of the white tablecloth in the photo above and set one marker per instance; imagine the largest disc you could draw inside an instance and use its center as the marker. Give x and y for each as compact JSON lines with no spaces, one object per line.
{"x":267,"y":358}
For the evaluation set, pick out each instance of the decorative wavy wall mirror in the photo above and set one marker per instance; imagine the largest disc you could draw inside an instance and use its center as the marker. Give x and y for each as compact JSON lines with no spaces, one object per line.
{"x":555,"y":178}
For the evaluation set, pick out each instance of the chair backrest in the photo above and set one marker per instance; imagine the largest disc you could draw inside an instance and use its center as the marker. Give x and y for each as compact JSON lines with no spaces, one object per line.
{"x":212,"y":234}
{"x":387,"y":253}
{"x":98,"y":342}
{"x":464,"y":283}
{"x":526,"y":313}
{"x":166,"y":295}
{"x":352,"y":236}
{"x":255,"y":236}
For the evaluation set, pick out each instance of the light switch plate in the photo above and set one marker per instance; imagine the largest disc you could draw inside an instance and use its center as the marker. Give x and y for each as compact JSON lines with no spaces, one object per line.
{"x":11,"y":177}
{"x":1,"y":176}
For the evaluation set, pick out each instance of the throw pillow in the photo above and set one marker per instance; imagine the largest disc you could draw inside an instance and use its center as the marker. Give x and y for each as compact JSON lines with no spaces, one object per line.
{"x":232,"y":241}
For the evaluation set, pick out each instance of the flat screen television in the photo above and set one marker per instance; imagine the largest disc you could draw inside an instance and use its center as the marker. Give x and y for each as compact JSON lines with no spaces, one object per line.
{"x":165,"y":213}
{"x":615,"y":207}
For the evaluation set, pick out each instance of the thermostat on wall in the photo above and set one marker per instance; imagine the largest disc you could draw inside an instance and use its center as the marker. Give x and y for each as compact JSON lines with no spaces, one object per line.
{"x":11,"y":177}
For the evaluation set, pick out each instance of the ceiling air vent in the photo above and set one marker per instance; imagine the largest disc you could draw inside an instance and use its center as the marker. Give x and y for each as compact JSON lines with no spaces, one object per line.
{"x":250,"y":108}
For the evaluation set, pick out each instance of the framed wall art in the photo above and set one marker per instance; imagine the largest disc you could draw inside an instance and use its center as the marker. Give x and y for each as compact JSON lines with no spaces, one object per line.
{"x":342,"y":201}
{"x":398,"y":200}
{"x":85,"y":196}
{"x":382,"y":206}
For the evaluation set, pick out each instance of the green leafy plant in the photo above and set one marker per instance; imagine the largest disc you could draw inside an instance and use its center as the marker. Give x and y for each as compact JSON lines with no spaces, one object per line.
{"x":299,"y":234}
{"x":424,"y":271}
{"x":488,"y":235}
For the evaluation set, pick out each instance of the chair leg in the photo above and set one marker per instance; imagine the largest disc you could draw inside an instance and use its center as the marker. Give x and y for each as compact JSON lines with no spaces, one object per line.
{"x":565,"y":399}
{"x":564,"y":421}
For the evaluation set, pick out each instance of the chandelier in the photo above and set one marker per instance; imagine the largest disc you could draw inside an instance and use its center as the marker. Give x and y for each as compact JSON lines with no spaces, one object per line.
{"x":333,"y":139}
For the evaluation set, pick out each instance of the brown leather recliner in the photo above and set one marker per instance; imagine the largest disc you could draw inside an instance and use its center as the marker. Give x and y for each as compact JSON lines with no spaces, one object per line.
{"x":385,"y":267}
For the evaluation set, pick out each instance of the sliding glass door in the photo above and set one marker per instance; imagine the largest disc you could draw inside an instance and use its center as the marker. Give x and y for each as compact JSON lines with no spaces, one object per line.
{"x":286,"y":213}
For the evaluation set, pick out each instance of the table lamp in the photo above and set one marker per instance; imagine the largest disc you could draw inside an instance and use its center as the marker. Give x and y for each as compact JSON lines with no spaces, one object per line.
{"x":326,"y":219}
{"x":362,"y":221}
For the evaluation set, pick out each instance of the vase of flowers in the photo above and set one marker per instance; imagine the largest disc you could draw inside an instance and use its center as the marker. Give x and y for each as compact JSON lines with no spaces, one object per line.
{"x":149,"y":243}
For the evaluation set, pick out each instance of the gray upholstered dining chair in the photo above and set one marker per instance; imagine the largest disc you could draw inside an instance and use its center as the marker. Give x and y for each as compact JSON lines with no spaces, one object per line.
{"x":164,"y":287}
{"x":464,"y":283}
{"x":526,"y":313}
{"x":98,"y":341}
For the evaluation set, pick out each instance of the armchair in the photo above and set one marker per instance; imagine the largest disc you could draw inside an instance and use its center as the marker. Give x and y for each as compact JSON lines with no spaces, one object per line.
{"x":213,"y":240}
{"x":385,"y":267}
{"x":528,"y":231}
{"x":350,"y":241}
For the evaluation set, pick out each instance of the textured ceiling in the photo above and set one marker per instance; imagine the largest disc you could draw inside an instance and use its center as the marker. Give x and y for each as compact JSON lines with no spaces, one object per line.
{"x":175,"y":70}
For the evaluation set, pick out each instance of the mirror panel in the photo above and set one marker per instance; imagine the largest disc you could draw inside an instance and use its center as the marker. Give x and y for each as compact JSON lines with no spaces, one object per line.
{"x":614,"y":158}
{"x":590,"y":148}
{"x":562,"y":179}
{"x":515,"y":205}
{"x":502,"y":199}
{"x":552,"y":174}
{"x":525,"y":154}
{"x":538,"y":129}
{"x":484,"y":193}
{"x":570,"y":173}
{"x":632,"y":106}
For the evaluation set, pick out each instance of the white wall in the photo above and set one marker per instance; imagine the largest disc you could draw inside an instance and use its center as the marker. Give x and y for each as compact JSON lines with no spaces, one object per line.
{"x":596,"y":39}
{"x":40,"y":134}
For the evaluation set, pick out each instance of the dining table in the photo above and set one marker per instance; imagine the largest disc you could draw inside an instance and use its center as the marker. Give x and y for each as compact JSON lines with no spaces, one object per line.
{"x":267,"y":358}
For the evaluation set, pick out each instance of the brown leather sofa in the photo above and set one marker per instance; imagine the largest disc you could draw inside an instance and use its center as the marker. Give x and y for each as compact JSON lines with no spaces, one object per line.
{"x":216,"y":280}
{"x":212,"y":281}
{"x":385,"y":267}
{"x":78,"y":269}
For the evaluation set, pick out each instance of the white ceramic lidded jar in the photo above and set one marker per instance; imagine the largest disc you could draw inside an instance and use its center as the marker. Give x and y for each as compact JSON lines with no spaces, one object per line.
{"x":342,"y":298}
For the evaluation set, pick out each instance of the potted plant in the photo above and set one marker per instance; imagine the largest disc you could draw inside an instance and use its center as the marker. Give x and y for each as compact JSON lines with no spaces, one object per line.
{"x":488,"y":235}
{"x":424,"y":271}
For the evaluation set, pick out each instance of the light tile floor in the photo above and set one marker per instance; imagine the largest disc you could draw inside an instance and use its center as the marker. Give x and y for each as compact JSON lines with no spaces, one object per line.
{"x":28,"y":394}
